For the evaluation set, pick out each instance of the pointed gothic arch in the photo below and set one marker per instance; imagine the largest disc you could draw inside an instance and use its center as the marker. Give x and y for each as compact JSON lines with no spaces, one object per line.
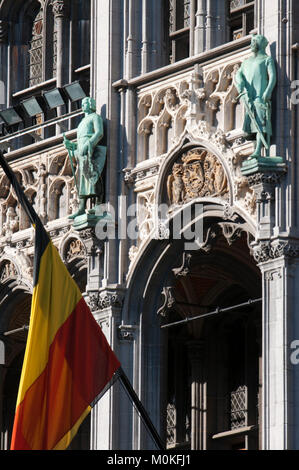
{"x":162,"y":277}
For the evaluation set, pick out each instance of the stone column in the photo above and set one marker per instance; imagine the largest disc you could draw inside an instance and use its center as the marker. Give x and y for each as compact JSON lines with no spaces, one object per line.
{"x":3,"y":60}
{"x":192,"y":25}
{"x":200,"y":29}
{"x":59,"y":12}
{"x":145,"y":38}
{"x":104,"y":415}
{"x":277,"y":255}
{"x":198,"y":396}
{"x":280,"y":402}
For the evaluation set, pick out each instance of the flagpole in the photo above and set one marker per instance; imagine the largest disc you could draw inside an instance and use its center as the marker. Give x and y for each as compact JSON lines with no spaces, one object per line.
{"x":140,"y":408}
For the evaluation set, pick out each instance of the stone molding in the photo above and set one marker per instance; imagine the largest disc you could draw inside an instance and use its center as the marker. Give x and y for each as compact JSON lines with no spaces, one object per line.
{"x":267,"y":250}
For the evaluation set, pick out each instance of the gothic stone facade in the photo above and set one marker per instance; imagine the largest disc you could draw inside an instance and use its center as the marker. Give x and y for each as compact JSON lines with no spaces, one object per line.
{"x":162,"y":73}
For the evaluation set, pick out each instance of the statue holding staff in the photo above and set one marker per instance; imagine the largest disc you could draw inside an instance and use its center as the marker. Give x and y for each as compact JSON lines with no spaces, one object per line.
{"x":88,"y":154}
{"x":255,"y":81}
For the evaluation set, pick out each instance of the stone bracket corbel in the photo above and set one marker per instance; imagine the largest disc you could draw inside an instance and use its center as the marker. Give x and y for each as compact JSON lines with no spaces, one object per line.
{"x":126,"y":333}
{"x":264,"y":174}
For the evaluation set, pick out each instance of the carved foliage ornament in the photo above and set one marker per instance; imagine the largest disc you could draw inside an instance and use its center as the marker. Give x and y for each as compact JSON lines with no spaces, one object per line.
{"x":199,"y":173}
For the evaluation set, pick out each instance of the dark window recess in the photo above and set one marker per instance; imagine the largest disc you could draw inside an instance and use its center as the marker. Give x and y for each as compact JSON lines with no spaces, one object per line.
{"x":237,"y":393}
{"x":241,"y":18}
{"x":178,"y":27}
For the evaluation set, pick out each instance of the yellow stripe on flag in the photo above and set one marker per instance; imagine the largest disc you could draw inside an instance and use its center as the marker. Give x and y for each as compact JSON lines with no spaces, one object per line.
{"x":54,"y":298}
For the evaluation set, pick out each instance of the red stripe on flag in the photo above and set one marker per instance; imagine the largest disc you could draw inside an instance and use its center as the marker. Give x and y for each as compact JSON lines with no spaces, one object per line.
{"x":75,"y":375}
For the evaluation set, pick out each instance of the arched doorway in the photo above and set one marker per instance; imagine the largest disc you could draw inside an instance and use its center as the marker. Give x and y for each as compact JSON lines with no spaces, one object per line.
{"x":15,"y":307}
{"x":199,"y":380}
{"x":212,"y":389}
{"x":15,"y":313}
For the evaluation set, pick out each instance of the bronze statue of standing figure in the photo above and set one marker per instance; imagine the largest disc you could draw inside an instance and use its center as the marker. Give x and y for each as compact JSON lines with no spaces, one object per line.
{"x":89,"y":155}
{"x":255,"y":81}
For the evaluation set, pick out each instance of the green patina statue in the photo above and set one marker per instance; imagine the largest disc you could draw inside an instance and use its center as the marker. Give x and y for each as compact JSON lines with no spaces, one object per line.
{"x":255,"y":81}
{"x":89,"y":155}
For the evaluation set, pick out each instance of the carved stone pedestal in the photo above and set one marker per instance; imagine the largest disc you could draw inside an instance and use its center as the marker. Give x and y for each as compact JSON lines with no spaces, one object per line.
{"x":262,"y":164}
{"x":263,"y":178}
{"x":90,"y":219}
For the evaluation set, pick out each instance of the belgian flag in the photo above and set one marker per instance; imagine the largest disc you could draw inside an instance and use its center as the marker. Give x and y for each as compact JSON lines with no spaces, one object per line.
{"x":68,"y":361}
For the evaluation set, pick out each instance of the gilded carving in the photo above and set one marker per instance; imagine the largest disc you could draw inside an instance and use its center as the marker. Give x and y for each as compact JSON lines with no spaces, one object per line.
{"x":75,"y":249}
{"x":198,"y":174}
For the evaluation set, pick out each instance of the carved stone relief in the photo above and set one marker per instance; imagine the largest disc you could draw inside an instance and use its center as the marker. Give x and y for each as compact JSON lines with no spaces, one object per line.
{"x":7,"y":271}
{"x":44,"y":178}
{"x":199,"y":105}
{"x":74,"y":249}
{"x":198,"y":173}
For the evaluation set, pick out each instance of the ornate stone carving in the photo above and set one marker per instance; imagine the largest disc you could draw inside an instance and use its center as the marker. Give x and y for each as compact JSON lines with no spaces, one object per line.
{"x":128,"y":176}
{"x":162,"y":232}
{"x":59,"y":8}
{"x":110,"y":299}
{"x":42,"y":191}
{"x":74,"y":250}
{"x":268,"y":250}
{"x":198,"y":174}
{"x":106,"y":299}
{"x":133,"y":251}
{"x":184,"y":269}
{"x":12,"y":222}
{"x":93,"y":301}
{"x":267,"y":177}
{"x":168,"y":301}
{"x":88,"y":233}
{"x":7,"y":271}
{"x":209,"y":239}
{"x":231,"y":232}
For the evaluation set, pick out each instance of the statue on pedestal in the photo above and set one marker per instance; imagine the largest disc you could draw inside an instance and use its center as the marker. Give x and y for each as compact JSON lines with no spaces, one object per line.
{"x":255,"y":81}
{"x":90,"y":156}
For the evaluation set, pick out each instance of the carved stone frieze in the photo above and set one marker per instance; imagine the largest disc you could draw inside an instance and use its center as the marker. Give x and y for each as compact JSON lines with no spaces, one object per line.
{"x":199,"y":173}
{"x":138,"y":174}
{"x":110,"y":299}
{"x":264,"y":251}
{"x":106,"y":299}
{"x":265,"y":178}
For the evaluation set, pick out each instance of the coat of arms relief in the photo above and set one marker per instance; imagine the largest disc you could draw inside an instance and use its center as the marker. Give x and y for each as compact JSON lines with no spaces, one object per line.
{"x":198,"y":173}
